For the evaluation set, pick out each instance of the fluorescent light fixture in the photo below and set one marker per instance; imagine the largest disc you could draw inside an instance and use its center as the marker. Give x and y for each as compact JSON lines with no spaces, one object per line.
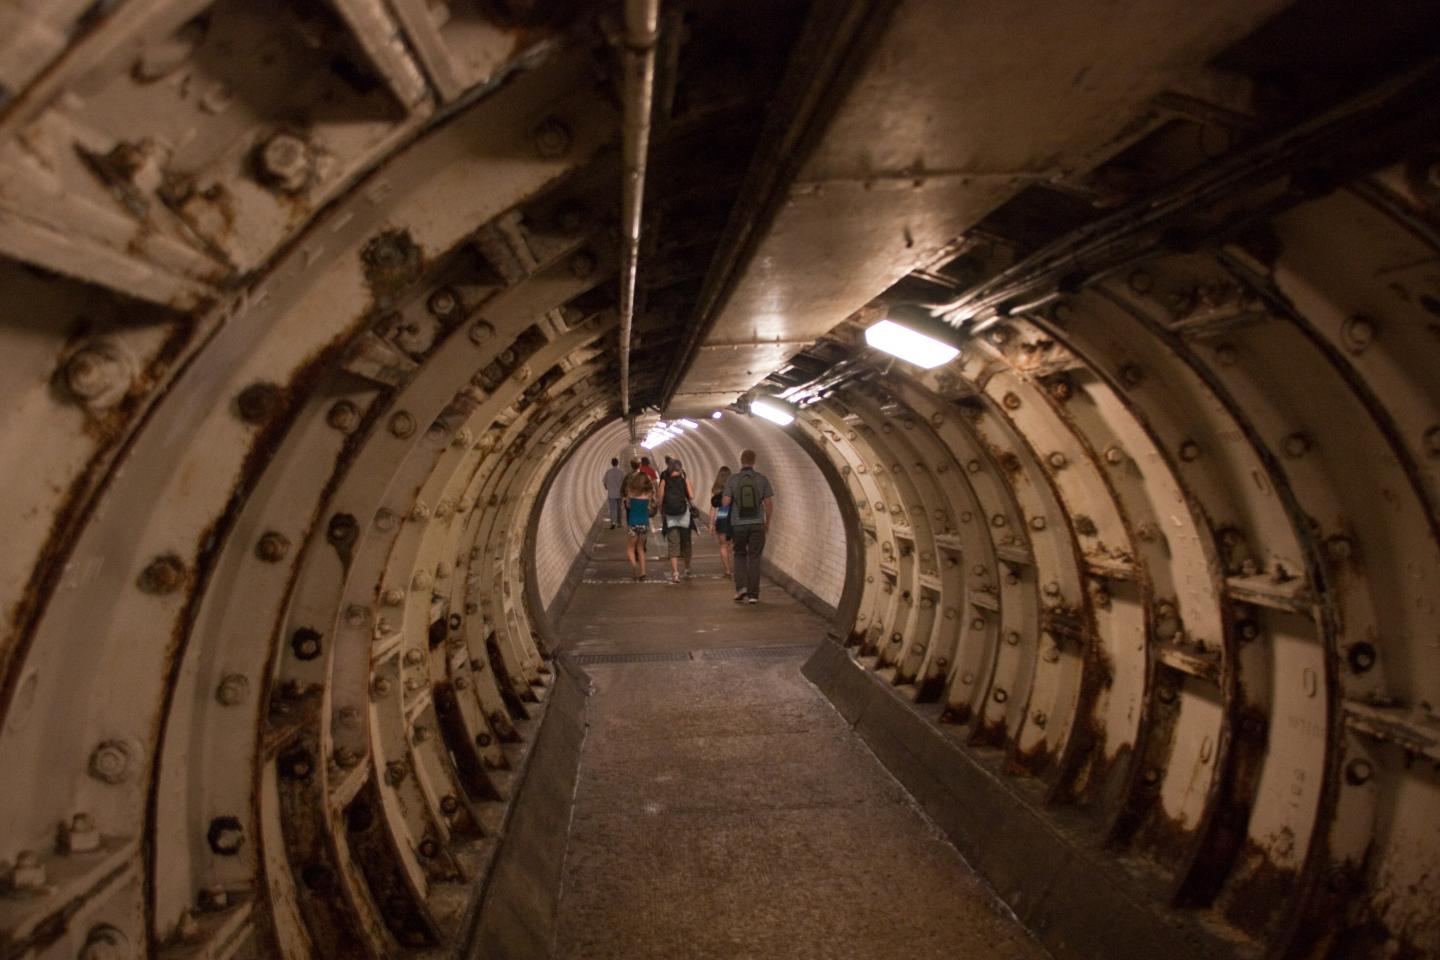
{"x":904,"y":341}
{"x":716,"y":415}
{"x":688,"y":424}
{"x":772,"y":410}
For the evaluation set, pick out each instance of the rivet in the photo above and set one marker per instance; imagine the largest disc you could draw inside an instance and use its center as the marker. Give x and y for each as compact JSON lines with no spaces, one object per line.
{"x":1037,"y":523}
{"x":423,"y":734}
{"x":1052,"y":589}
{"x":225,"y":835}
{"x":1039,"y":718}
{"x":449,"y":804}
{"x":395,"y":772}
{"x":384,"y":519}
{"x":402,"y":424}
{"x":1361,"y":656}
{"x":973,"y":466}
{"x":1189,"y":451}
{"x":966,"y":516}
{"x":978,"y":623}
{"x":1000,"y":695}
{"x":413,"y":657}
{"x":296,"y":764}
{"x":1357,"y":331}
{"x":305,"y":643}
{"x":896,"y":638}
{"x":1166,"y":694}
{"x":1296,"y":445}
{"x":443,"y":303}
{"x":1114,"y":456}
{"x":1358,"y":772}
{"x":1012,"y":638}
{"x":998,"y":520}
{"x":233,"y":689}
{"x":950,"y":613}
{"x":342,"y":530}
{"x":381,"y":686}
{"x":104,"y":942}
{"x":165,"y":574}
{"x":481,"y":332}
{"x":1051,"y":654}
{"x":1011,"y":401}
{"x":967,"y":678}
{"x":1056,"y":459}
{"x":356,"y":615}
{"x":110,"y":762}
{"x":1432,"y":442}
{"x":1151,"y":777}
{"x":272,"y":546}
{"x":1339,"y":547}
{"x":552,"y":138}
{"x":258,"y":402}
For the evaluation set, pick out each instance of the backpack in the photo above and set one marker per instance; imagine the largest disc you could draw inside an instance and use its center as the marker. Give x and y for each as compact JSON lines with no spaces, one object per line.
{"x":676,"y":502}
{"x":746,"y":501}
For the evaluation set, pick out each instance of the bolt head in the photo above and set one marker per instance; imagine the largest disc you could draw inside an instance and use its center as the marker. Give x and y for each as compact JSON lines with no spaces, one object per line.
{"x":286,"y":163}
{"x":98,"y":373}
{"x":402,"y":424}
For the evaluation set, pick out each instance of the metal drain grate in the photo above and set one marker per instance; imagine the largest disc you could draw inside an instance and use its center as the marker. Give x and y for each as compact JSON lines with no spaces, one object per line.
{"x":747,"y":653}
{"x":589,"y":658}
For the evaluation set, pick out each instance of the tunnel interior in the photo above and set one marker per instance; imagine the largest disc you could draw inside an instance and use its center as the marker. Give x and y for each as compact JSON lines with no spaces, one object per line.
{"x":322,"y":321}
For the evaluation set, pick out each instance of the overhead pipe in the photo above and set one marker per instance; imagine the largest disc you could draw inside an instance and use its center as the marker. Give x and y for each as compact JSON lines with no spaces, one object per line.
{"x":642,"y":19}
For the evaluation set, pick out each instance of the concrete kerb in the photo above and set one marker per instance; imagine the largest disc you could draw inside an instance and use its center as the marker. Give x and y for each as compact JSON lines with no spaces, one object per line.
{"x":1065,"y":890}
{"x":514,"y":912}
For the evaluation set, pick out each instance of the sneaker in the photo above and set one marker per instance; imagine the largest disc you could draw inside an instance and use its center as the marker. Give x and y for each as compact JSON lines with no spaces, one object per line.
{"x":752,"y":599}
{"x":740,"y":596}
{"x":688,"y":574}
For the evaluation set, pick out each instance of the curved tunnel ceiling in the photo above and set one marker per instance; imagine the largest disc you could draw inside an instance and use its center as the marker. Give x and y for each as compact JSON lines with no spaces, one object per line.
{"x":310,"y":306}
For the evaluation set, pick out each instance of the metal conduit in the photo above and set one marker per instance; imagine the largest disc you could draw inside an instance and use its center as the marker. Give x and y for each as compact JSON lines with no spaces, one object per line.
{"x":641,"y":27}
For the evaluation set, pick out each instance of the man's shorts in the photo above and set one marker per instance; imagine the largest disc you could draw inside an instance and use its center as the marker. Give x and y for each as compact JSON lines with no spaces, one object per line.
{"x":640,"y":530}
{"x":678,"y":539}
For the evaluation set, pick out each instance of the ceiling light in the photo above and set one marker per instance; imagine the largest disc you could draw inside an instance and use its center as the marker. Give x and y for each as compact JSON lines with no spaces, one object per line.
{"x":716,"y":415}
{"x":901,"y":338}
{"x":772,"y":410}
{"x":688,"y":424}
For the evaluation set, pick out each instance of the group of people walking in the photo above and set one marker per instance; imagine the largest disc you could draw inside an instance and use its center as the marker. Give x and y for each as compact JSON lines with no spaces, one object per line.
{"x":741,"y":504}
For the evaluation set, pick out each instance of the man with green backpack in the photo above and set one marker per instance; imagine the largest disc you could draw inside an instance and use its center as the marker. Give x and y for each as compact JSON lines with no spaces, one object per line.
{"x":751,"y":500}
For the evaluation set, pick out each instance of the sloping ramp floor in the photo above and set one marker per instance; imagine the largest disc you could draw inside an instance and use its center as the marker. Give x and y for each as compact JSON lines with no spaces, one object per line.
{"x":724,"y":810}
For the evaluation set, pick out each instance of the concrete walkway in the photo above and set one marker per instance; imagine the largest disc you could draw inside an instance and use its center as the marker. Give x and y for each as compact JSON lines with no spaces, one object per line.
{"x":724,"y":810}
